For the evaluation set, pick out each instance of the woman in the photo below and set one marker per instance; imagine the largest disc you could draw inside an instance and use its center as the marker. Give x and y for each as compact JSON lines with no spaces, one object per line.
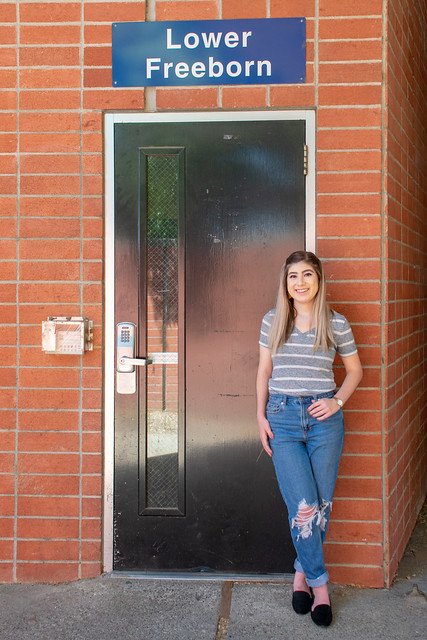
{"x":300,"y":415}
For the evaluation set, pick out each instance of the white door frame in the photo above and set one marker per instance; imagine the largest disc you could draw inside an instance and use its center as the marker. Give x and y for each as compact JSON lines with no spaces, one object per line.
{"x":110,"y":119}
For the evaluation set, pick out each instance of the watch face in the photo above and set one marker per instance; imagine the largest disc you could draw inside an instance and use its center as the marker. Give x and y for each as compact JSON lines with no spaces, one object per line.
{"x":339,"y":401}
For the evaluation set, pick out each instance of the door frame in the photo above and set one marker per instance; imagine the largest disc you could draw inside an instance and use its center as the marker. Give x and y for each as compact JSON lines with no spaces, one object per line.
{"x":110,"y":119}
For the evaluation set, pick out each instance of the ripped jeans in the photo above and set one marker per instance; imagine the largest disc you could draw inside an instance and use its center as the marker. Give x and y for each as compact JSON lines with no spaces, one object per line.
{"x":306,"y":456}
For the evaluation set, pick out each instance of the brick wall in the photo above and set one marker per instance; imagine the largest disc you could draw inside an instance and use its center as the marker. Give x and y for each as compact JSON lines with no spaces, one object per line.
{"x":56,"y":78}
{"x":405,"y":382}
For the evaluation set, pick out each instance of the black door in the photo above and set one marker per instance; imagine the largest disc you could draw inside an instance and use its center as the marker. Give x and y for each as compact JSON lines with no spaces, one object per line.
{"x":205,"y":214}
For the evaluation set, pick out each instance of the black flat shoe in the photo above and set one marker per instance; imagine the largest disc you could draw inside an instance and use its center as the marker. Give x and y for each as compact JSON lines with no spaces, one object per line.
{"x":301,"y":602}
{"x":322,"y":615}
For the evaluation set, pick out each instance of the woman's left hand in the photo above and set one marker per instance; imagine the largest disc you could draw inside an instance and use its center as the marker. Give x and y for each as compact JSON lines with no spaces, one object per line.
{"x":324,"y":408}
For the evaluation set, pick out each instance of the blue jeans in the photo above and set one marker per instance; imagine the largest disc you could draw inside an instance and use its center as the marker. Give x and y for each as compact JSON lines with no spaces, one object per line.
{"x":306,"y":456}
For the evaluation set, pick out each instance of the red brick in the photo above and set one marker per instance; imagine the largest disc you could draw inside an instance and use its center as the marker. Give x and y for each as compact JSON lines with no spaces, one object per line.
{"x":8,"y":206}
{"x":330,"y":73}
{"x":93,"y":228}
{"x":364,"y":554}
{"x":9,"y":314}
{"x":48,"y":528}
{"x":91,"y":551}
{"x":92,"y":463}
{"x":350,"y":7}
{"x":8,"y":57}
{"x":292,"y":8}
{"x":49,"y":56}
{"x":8,"y":98}
{"x":292,"y":96}
{"x":357,"y":94}
{"x":350,"y":247}
{"x":48,"y":399}
{"x":50,"y":206}
{"x":359,"y":50}
{"x":92,"y":442}
{"x":36,"y":99}
{"x":7,"y":35}
{"x":349,"y":203}
{"x":49,"y":420}
{"x":49,"y":34}
{"x":7,"y":505}
{"x":8,"y":184}
{"x":49,"y":228}
{"x":349,"y":182}
{"x":61,"y":163}
{"x":8,"y":12}
{"x":49,"y":271}
{"x":93,"y":164}
{"x":6,"y":549}
{"x":93,"y":207}
{"x":7,"y":462}
{"x":97,"y":34}
{"x":50,"y":142}
{"x":50,"y":12}
{"x":7,"y":291}
{"x":350,"y":226}
{"x":49,"y":485}
{"x":114,"y":12}
{"x":349,"y":161}
{"x":360,"y":465}
{"x":91,"y":528}
{"x":184,"y":98}
{"x":363,"y":487}
{"x":92,"y":122}
{"x":92,"y":271}
{"x":250,"y":9}
{"x":91,"y":421}
{"x":91,"y":570}
{"x":359,"y":576}
{"x":33,"y":249}
{"x":38,"y":122}
{"x":92,"y":142}
{"x":98,"y":77}
{"x":8,"y":143}
{"x":97,"y":57}
{"x":7,"y":377}
{"x":47,"y":572}
{"x":49,"y":78}
{"x":40,"y":506}
{"x":350,"y":28}
{"x":92,"y":507}
{"x":113,"y":99}
{"x":6,"y":572}
{"x":50,"y":185}
{"x":7,"y":443}
{"x":7,"y":398}
{"x":8,"y":164}
{"x":92,"y":185}
{"x":186,"y":10}
{"x":348,"y":117}
{"x":243,"y":97}
{"x":8,"y":122}
{"x":48,"y":550}
{"x":8,"y":78}
{"x":365,"y":510}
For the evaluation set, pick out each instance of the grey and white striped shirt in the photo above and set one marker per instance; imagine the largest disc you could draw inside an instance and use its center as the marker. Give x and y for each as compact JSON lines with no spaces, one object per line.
{"x":297,"y":371}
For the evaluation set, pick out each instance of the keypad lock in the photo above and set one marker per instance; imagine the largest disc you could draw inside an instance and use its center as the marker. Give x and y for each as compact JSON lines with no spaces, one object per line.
{"x":126,"y":362}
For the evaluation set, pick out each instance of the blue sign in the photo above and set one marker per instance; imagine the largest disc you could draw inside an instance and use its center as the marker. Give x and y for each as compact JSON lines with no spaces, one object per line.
{"x":208,"y":52}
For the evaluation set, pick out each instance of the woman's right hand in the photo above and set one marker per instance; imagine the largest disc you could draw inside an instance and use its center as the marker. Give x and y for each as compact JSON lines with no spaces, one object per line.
{"x":265,"y":434}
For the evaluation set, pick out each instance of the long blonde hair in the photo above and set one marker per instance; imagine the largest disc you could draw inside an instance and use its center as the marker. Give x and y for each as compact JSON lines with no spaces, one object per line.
{"x":284,"y":317}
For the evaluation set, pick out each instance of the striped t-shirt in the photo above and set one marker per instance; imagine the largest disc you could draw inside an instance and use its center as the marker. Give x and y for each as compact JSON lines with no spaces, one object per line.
{"x":297,"y":371}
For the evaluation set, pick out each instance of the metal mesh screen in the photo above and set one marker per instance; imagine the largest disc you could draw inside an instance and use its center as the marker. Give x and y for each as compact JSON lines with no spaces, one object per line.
{"x":162,"y":332}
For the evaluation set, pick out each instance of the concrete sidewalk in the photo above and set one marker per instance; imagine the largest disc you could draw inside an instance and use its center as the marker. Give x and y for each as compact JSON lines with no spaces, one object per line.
{"x":119,"y":608}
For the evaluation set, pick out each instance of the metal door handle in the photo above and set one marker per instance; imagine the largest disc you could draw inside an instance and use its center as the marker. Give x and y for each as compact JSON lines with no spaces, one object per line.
{"x":139,"y":362}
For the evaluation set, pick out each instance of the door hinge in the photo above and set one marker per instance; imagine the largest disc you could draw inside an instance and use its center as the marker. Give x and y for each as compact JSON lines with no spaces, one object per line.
{"x":305,"y":159}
